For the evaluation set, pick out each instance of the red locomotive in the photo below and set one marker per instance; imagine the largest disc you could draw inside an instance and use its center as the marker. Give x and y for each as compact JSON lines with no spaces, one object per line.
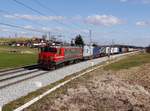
{"x":53,"y":56}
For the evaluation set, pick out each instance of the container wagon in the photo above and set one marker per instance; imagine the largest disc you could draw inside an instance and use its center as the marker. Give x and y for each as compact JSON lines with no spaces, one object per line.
{"x":88,"y":52}
{"x":131,"y":49}
{"x":108,"y":50}
{"x":102,"y":51}
{"x":96,"y":52}
{"x":114,"y":50}
{"x":120,"y":50}
{"x":124,"y":50}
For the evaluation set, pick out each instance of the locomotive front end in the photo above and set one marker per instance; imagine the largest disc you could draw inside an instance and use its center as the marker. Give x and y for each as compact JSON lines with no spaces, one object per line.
{"x":46,"y":57}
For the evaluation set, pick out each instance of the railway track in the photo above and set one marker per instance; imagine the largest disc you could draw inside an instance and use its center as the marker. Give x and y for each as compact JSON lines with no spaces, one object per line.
{"x":14,"y":76}
{"x":17,"y":75}
{"x":29,"y":67}
{"x":14,"y":80}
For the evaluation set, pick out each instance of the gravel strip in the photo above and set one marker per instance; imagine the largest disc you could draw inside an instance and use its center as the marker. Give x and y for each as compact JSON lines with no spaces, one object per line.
{"x":15,"y":91}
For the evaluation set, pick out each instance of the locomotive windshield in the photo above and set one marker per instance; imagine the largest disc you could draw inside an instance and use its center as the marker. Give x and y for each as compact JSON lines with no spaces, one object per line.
{"x":49,"y":49}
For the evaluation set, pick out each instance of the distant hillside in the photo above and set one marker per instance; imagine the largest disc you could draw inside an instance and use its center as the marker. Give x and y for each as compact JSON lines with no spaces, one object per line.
{"x":14,"y":39}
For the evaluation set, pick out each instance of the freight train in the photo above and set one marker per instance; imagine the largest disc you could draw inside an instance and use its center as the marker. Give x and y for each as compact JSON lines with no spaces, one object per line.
{"x":55,"y":56}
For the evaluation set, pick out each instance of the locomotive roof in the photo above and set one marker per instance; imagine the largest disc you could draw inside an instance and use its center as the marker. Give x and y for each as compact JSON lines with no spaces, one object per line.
{"x":64,"y":46}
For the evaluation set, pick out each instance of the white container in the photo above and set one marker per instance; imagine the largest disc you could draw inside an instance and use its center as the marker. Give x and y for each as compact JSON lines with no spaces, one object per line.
{"x":88,"y":51}
{"x":108,"y":50}
{"x":114,"y":50}
{"x":131,"y":49}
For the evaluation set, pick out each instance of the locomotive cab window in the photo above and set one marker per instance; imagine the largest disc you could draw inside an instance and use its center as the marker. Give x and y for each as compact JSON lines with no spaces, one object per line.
{"x":49,"y":49}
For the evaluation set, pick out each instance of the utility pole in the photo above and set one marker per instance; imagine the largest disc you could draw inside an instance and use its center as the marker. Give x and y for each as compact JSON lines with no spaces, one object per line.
{"x":111,"y":48}
{"x":49,"y":35}
{"x":90,"y":35}
{"x":16,"y":35}
{"x":113,"y":43}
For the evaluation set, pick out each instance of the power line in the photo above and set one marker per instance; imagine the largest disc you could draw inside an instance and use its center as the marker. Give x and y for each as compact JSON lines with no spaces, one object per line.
{"x":53,"y":11}
{"x":25,"y":19}
{"x":9,"y":13}
{"x":19,"y":27}
{"x":26,"y":6}
{"x":18,"y":2}
{"x":44,"y":6}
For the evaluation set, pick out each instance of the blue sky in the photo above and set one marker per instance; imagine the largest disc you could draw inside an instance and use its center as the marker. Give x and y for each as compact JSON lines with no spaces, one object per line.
{"x":120,"y":21}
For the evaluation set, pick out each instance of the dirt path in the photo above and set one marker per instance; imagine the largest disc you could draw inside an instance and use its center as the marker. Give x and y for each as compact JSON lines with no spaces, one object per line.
{"x":125,"y":90}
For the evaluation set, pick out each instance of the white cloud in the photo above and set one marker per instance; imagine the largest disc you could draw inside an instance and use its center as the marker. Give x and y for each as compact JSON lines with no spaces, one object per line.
{"x":81,"y":31}
{"x":77,"y":17}
{"x":123,"y":0}
{"x":106,"y":20}
{"x":56,"y":29}
{"x":136,"y":1}
{"x":34,"y":17}
{"x":146,"y":1}
{"x":143,"y":23}
{"x":28,"y":26}
{"x":23,"y":32}
{"x":4,"y":30}
{"x":84,"y":31}
{"x":46,"y":29}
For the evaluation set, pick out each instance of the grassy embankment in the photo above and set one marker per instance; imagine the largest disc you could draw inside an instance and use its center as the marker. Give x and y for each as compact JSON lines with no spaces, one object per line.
{"x":13,"y":39}
{"x":11,"y":57}
{"x":131,"y":61}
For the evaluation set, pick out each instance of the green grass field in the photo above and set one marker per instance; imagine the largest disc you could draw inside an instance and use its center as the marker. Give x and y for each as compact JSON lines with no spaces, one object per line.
{"x":131,"y":61}
{"x":11,"y":57}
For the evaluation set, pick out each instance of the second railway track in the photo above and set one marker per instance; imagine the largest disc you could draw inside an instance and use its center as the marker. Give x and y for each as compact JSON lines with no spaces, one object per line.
{"x":13,"y":76}
{"x":14,"y":70}
{"x":24,"y":77}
